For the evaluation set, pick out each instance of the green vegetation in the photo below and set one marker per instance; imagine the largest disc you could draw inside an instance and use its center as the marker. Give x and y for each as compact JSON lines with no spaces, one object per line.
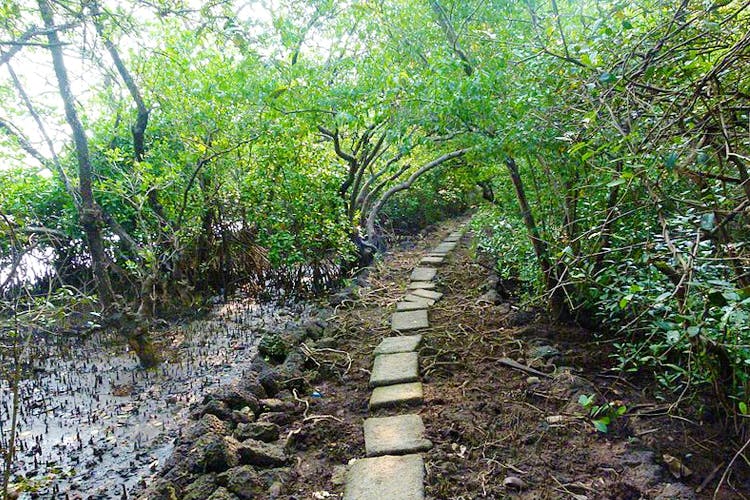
{"x":212,"y":148}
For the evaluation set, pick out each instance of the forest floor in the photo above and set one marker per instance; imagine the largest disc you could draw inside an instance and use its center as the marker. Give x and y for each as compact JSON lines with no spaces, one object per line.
{"x":489,"y":422}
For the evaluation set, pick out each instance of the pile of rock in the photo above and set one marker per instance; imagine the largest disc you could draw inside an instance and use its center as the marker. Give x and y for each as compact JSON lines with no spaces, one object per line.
{"x":236,"y":447}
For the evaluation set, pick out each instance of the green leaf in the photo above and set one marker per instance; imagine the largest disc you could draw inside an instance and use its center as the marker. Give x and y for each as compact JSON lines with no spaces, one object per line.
{"x":600,"y":426}
{"x":708,"y":221}
{"x":616,"y":182}
{"x":673,"y":336}
{"x":743,"y":408}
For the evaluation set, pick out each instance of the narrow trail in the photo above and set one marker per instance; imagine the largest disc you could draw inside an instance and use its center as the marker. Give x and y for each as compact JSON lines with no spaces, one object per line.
{"x":394,"y":468}
{"x":479,"y":398}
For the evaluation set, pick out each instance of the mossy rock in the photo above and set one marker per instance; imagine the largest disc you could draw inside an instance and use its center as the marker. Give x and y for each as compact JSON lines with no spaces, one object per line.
{"x":274,"y":347}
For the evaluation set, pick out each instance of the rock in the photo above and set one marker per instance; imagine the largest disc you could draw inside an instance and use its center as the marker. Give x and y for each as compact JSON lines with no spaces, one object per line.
{"x":326,"y":343}
{"x":290,"y":372}
{"x":213,"y":407}
{"x":208,"y":424}
{"x":161,"y":490}
{"x":276,"y":417}
{"x":277,"y":405}
{"x":676,"y":467}
{"x":222,"y":494}
{"x":244,"y":416}
{"x":253,"y":452}
{"x":233,"y":397}
{"x":267,"y":377}
{"x":315,"y":328}
{"x":513,"y":482}
{"x":275,"y":490}
{"x":218,"y":453}
{"x":250,"y":383}
{"x":545,"y":352}
{"x":533,"y":380}
{"x":261,"y":431}
{"x":490,"y":297}
{"x":244,"y":481}
{"x":201,"y":488}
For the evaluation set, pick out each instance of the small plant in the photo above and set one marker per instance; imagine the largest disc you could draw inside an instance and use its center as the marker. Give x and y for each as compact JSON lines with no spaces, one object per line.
{"x":601,"y":415}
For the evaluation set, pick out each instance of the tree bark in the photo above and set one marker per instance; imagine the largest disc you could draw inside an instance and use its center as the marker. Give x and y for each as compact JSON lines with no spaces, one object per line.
{"x":89,"y":213}
{"x":557,"y":303}
{"x":373,"y":214}
{"x":452,"y":36}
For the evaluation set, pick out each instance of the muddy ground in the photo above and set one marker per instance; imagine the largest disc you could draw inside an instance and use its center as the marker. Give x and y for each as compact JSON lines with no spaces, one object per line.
{"x":498,"y":433}
{"x":93,"y":423}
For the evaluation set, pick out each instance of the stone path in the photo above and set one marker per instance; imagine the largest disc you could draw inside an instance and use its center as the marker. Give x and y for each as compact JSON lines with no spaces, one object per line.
{"x":394,"y":468}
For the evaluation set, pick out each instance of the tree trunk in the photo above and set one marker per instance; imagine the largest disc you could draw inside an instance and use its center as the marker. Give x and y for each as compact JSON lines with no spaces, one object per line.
{"x":89,"y":213}
{"x":373,"y":215}
{"x":558,"y":305}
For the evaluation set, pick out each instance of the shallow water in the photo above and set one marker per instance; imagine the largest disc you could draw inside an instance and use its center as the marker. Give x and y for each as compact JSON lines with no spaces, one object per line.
{"x":92,"y":422}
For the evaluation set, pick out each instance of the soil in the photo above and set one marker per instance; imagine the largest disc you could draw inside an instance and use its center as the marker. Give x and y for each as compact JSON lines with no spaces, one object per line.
{"x":498,"y":433}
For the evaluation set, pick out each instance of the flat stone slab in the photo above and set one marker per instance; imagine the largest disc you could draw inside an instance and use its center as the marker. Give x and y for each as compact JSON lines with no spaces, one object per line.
{"x":390,"y":369}
{"x":392,"y":345}
{"x":427,"y":294}
{"x":418,"y":300}
{"x":399,"y":435}
{"x":423,"y":274}
{"x":444,"y":247}
{"x":431,"y":260}
{"x":402,"y":321}
{"x":452,"y":239}
{"x":386,"y":478}
{"x":424,"y":285}
{"x":412,"y":306}
{"x":396,"y":395}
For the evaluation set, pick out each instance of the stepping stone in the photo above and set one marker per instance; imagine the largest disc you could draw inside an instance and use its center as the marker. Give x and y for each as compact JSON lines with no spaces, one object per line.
{"x":431,"y":260}
{"x":452,"y":239}
{"x":386,"y":478}
{"x":392,"y":345}
{"x":412,"y":297}
{"x":423,"y":274}
{"x":390,"y":369}
{"x":402,"y":321}
{"x":424,"y":285}
{"x":399,"y":435}
{"x":396,"y":395}
{"x":427,"y":294}
{"x":412,"y":306}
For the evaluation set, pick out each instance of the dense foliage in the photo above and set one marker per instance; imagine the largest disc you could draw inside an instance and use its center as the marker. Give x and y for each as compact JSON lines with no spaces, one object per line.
{"x":230,"y":145}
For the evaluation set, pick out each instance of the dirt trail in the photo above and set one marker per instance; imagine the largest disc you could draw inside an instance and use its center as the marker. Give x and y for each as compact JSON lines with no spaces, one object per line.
{"x":500,"y":432}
